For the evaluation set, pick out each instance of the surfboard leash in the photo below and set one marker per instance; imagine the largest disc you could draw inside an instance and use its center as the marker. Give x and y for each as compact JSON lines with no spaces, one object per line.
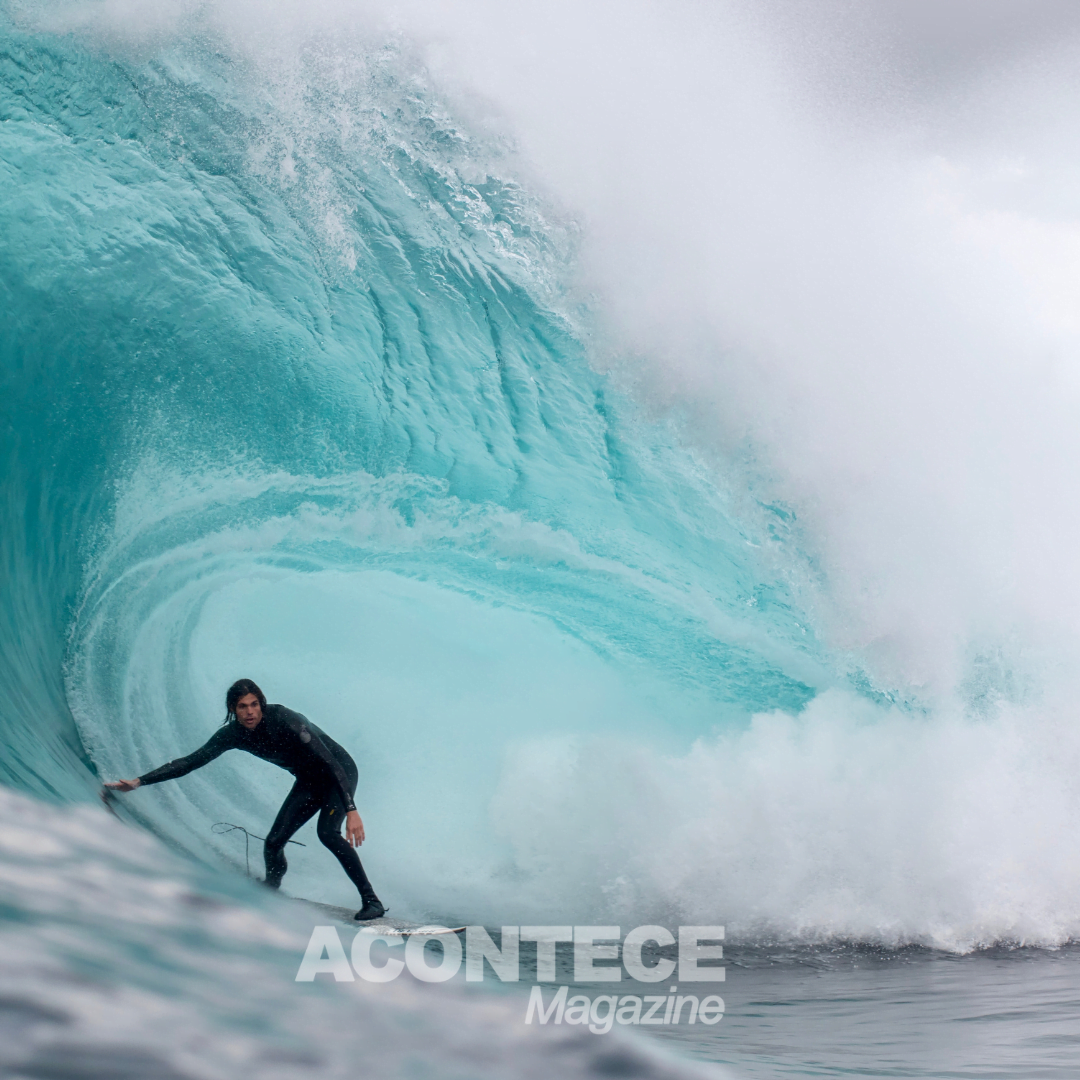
{"x":223,"y":827}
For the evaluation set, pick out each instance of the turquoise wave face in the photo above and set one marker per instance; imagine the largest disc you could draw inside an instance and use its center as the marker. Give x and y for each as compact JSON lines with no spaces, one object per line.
{"x":294,"y":393}
{"x":294,"y":390}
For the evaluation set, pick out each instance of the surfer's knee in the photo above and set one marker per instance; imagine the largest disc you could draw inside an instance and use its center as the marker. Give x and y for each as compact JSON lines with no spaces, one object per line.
{"x":274,"y":845}
{"x":329,"y":834}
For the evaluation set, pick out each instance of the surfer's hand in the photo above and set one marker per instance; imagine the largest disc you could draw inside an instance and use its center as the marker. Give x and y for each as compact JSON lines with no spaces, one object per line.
{"x":354,"y":828}
{"x":130,"y":785}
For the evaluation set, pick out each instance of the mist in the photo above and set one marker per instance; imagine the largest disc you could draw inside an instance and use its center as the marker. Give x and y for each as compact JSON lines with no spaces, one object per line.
{"x":839,"y":244}
{"x":834,"y":248}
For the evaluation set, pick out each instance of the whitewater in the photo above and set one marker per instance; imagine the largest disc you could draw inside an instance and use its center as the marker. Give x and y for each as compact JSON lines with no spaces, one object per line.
{"x":709,"y":566}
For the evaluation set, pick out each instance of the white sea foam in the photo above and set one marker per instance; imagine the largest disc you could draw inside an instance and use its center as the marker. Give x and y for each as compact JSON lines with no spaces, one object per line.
{"x":510,"y":773}
{"x":860,"y":295}
{"x":117,"y":958}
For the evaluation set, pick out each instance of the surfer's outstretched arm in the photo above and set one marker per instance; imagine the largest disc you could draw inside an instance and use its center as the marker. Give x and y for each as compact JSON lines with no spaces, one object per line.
{"x":215,"y":746}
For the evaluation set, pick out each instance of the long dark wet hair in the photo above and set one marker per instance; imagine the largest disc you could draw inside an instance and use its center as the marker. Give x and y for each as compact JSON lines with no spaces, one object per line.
{"x":241,"y":688}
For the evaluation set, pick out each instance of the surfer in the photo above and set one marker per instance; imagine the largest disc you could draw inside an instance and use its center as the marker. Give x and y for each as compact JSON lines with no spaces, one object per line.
{"x":325,"y":781}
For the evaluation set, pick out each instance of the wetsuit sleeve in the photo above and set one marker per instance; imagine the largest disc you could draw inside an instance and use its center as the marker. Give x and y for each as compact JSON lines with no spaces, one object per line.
{"x":216,"y":745}
{"x":320,"y":750}
{"x":300,"y":725}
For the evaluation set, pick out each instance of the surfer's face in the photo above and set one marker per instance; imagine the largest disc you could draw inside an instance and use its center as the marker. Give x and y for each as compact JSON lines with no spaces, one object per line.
{"x":248,"y":711}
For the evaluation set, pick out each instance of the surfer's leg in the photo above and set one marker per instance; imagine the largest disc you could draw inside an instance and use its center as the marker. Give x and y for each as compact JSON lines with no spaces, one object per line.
{"x":331,"y":818}
{"x":300,"y":805}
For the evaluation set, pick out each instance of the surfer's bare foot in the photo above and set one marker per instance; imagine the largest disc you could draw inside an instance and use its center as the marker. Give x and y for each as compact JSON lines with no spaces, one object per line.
{"x":123,"y":785}
{"x":372,"y":909}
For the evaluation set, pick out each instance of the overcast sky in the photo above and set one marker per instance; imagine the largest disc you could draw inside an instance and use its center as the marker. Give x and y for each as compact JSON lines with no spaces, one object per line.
{"x":845,"y":233}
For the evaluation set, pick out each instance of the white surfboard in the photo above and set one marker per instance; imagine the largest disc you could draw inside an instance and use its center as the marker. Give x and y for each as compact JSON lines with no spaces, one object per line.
{"x":385,"y":926}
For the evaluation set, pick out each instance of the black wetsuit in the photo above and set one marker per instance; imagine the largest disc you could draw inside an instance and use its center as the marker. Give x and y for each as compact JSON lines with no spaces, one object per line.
{"x":325,"y":783}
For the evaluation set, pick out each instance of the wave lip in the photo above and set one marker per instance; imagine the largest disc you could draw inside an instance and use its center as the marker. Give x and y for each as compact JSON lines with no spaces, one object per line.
{"x":320,"y":412}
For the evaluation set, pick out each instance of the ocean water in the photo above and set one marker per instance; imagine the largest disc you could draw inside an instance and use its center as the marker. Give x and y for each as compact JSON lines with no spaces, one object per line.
{"x":303,"y":382}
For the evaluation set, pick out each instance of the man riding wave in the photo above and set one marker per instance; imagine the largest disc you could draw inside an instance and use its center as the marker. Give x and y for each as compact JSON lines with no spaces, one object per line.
{"x":325,"y":782}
